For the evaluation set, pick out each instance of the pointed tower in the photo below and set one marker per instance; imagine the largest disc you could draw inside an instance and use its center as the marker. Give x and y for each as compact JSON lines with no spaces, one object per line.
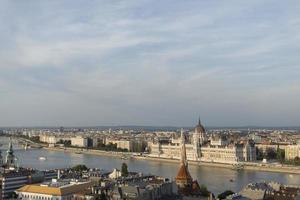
{"x":183,"y":158}
{"x":200,"y":132}
{"x":10,"y":157}
{"x":183,"y":178}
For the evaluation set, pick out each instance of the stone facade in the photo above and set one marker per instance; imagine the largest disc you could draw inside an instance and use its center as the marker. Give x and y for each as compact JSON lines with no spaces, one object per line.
{"x":292,"y":151}
{"x":199,"y":149}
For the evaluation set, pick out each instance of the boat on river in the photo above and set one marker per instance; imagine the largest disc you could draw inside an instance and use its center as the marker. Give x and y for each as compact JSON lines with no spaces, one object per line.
{"x":42,"y":158}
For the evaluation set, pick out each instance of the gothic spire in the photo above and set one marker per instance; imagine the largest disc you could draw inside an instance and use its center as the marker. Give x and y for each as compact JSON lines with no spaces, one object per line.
{"x":10,"y":147}
{"x":183,"y":149}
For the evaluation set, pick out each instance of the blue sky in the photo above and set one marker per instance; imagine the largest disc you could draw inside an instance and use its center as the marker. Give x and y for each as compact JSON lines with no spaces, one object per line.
{"x":142,"y":62}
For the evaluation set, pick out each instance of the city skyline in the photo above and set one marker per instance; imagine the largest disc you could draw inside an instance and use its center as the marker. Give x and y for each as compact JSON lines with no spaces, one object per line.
{"x":149,"y":63}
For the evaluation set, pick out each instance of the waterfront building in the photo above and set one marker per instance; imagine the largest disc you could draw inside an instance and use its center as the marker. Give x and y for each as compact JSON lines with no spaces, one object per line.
{"x":267,"y":146}
{"x":122,"y":144}
{"x":50,"y":139}
{"x":200,"y":148}
{"x":292,"y":151}
{"x":54,"y":190}
{"x":231,"y":153}
{"x":96,"y":141}
{"x":79,"y":141}
{"x":10,"y":157}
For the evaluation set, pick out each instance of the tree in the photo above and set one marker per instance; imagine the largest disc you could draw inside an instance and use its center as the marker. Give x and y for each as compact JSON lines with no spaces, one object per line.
{"x":280,"y":155}
{"x":102,"y":196}
{"x":270,"y":154}
{"x":259,"y":154}
{"x":203,"y":190}
{"x":297,"y":160}
{"x":124,"y":170}
{"x":13,"y":195}
{"x":225,"y":194}
{"x":80,"y":168}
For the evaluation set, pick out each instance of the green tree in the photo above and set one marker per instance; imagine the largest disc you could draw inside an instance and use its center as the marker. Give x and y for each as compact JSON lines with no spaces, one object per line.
{"x":80,"y":168}
{"x":297,"y":160}
{"x":280,"y":155}
{"x":225,"y":194}
{"x":13,"y":195}
{"x":270,"y":154}
{"x":204,"y":191}
{"x":124,"y":170}
{"x":102,"y":196}
{"x":259,"y":154}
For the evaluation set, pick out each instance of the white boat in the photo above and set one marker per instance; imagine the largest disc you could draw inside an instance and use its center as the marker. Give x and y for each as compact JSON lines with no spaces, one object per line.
{"x":42,"y":158}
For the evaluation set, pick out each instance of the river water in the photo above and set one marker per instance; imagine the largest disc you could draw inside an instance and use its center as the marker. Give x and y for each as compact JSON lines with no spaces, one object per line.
{"x":216,"y":179}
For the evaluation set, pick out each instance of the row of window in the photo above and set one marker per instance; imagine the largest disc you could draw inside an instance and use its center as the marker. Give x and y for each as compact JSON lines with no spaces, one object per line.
{"x":37,"y":197}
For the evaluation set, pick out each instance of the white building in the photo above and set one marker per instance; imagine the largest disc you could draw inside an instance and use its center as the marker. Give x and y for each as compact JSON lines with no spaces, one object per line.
{"x":79,"y":141}
{"x":123,"y":144}
{"x":115,"y":174}
{"x":292,"y":151}
{"x":50,"y":139}
{"x":199,"y":149}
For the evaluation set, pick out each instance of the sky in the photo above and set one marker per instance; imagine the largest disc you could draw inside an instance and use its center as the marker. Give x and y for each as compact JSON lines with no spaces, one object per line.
{"x":149,"y":62}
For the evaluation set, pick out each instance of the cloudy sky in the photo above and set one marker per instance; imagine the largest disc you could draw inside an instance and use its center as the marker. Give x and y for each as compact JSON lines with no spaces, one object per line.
{"x":149,"y":62}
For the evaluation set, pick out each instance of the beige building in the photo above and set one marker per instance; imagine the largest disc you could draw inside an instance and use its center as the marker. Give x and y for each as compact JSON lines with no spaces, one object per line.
{"x":200,"y":150}
{"x":229,"y":154}
{"x":265,"y":146}
{"x":292,"y":151}
{"x":55,"y":190}
{"x":50,"y":139}
{"x":79,"y":141}
{"x":123,"y":144}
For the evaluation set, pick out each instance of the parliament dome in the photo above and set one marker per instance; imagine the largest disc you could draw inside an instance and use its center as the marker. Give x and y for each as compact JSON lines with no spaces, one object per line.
{"x":199,"y":128}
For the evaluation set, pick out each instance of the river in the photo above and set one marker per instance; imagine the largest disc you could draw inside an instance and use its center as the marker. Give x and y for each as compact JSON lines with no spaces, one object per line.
{"x":216,"y":179}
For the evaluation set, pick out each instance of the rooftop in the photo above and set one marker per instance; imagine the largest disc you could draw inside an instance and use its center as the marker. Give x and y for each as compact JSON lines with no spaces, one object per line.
{"x":56,"y":187}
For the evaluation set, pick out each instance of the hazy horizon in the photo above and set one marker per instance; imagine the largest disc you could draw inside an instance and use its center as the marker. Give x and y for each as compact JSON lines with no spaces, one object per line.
{"x":158,"y":127}
{"x":150,"y":63}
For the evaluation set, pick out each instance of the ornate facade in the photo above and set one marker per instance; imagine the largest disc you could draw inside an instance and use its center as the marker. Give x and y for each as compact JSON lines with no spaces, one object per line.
{"x":201,"y":149}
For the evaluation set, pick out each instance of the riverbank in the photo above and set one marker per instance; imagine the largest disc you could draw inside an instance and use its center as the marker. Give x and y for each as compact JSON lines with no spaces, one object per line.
{"x":124,"y":155}
{"x":129,"y":155}
{"x":245,"y":166}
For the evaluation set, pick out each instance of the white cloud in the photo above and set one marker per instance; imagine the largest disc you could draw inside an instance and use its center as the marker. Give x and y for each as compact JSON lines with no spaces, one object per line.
{"x":145,"y":62}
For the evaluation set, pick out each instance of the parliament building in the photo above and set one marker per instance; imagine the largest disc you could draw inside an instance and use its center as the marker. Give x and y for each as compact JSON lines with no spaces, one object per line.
{"x":201,"y":149}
